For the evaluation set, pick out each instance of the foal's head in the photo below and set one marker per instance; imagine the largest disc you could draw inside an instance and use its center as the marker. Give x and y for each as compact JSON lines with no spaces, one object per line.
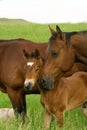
{"x":60,"y":58}
{"x":33,"y":68}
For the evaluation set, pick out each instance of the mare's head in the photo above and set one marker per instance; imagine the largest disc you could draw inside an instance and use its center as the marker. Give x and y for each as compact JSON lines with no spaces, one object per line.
{"x":60,"y":58}
{"x":33,"y":68}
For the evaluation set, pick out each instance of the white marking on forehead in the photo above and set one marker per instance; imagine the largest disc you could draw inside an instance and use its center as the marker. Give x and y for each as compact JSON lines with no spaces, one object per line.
{"x":30,"y":63}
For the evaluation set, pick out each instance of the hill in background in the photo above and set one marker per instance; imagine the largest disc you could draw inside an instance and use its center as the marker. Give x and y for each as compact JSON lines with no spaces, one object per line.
{"x":12,"y":21}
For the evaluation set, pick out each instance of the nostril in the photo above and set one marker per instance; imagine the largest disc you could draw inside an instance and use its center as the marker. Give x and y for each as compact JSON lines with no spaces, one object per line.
{"x":42,"y":82}
{"x":27,"y":86}
{"x":46,"y":83}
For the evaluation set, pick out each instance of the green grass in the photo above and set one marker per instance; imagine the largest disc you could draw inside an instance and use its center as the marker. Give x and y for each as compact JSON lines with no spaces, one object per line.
{"x":73,"y":120}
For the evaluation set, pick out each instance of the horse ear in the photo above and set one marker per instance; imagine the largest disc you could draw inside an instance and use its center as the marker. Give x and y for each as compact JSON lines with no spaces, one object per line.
{"x":51,"y":30}
{"x":26,"y":54}
{"x":59,"y":32}
{"x":37,"y":53}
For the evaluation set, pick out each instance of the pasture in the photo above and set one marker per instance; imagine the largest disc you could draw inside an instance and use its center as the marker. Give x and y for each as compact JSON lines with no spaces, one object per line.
{"x":73,"y":120}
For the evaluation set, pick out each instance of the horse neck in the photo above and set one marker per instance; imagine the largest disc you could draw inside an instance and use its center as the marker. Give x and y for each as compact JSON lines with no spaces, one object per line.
{"x":58,"y":80}
{"x":59,"y":74}
{"x":54,"y":89}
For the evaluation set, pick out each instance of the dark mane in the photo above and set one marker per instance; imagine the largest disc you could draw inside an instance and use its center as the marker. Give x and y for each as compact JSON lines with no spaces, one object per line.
{"x":67,"y":34}
{"x":53,"y":37}
{"x":33,"y":55}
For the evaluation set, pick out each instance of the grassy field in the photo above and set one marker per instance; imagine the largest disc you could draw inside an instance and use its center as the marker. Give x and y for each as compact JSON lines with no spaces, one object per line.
{"x":73,"y":120}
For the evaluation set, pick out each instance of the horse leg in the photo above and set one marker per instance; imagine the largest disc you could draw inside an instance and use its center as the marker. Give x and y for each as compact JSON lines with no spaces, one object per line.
{"x":21,"y":108}
{"x":18,"y":102}
{"x":47,"y":120}
{"x":59,"y":116}
{"x":84,"y":108}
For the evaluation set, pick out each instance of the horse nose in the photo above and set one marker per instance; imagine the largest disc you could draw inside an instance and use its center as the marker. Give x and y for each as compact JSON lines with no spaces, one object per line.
{"x":46,"y":83}
{"x":42,"y":82}
{"x":28,"y":85}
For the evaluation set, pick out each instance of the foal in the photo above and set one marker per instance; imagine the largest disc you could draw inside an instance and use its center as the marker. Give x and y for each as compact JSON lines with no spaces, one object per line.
{"x":66,"y":94}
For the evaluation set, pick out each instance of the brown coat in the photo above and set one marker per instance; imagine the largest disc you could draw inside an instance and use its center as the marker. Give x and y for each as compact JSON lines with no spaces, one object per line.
{"x":66,"y":94}
{"x":12,"y":70}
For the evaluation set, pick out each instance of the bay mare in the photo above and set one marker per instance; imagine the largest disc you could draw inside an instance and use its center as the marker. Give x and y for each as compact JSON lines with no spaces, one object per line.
{"x":65,"y":49}
{"x":12,"y":71}
{"x":67,"y":93}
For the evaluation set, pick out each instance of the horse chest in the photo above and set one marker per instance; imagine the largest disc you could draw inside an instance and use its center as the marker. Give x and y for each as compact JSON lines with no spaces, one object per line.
{"x":48,"y":103}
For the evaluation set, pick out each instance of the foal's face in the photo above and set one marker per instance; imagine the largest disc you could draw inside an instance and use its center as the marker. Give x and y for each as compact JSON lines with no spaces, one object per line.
{"x":60,"y":59}
{"x":33,"y":68}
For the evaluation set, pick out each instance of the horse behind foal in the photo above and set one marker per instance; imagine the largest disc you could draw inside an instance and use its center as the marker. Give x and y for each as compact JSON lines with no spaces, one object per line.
{"x":67,"y":93}
{"x":12,"y":71}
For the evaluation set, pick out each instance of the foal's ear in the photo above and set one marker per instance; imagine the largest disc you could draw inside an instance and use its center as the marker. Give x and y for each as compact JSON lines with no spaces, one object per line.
{"x":26,"y":54}
{"x":59,"y":32}
{"x":51,"y":30}
{"x":37,"y":53}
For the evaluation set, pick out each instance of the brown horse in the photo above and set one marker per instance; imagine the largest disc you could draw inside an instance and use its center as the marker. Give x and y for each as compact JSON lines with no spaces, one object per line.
{"x":63,"y":51}
{"x":12,"y":70}
{"x":68,"y":93}
{"x":35,"y":63}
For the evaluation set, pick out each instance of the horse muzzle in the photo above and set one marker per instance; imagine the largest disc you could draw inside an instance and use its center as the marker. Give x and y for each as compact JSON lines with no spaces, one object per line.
{"x":28,"y":84}
{"x":46,"y":83}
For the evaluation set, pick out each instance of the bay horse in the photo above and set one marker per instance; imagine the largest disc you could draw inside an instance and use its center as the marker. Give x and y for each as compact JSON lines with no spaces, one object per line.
{"x":67,"y":93}
{"x":12,"y":71}
{"x":65,"y":49}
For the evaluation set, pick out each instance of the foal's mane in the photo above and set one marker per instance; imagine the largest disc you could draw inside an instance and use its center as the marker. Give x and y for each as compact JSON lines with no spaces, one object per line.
{"x":36,"y":55}
{"x":33,"y":55}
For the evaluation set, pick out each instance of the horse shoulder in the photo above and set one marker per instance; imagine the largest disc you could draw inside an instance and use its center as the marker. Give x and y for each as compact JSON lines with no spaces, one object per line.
{"x":76,"y":83}
{"x":83,"y":77}
{"x":62,"y":93}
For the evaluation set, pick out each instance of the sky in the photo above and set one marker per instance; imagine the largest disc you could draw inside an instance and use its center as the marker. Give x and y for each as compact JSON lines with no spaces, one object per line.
{"x":45,"y":11}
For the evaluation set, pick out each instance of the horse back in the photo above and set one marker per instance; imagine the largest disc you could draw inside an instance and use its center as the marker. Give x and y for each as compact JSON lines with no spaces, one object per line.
{"x":12,"y":61}
{"x":76,"y":82}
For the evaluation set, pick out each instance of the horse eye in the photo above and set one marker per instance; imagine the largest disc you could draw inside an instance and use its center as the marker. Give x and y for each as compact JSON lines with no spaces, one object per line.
{"x":37,"y":70}
{"x":54,"y":54}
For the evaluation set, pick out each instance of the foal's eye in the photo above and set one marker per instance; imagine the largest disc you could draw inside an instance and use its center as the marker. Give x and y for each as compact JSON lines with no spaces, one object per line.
{"x":54,"y":54}
{"x":37,"y":70}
